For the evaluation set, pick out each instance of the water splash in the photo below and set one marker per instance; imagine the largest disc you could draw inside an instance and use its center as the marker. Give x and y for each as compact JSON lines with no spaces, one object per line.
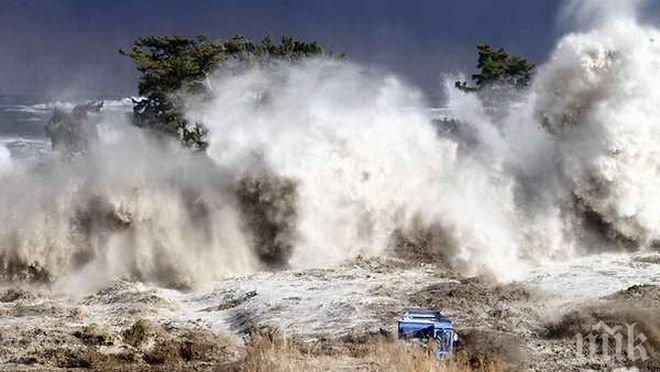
{"x":319,"y":162}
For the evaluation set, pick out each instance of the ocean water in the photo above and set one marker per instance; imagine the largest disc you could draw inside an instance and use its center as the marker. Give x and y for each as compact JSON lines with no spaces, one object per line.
{"x":22,"y":121}
{"x":23,"y":116}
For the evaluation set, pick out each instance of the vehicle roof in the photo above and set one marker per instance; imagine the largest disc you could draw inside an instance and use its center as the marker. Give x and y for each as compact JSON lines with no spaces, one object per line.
{"x":422,"y":316}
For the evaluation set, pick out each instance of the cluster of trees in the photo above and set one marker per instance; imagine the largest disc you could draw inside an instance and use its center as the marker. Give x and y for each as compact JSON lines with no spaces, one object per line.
{"x":174,"y":67}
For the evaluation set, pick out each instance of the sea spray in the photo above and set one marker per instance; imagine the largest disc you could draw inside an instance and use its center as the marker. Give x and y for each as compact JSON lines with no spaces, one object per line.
{"x":598,"y":97}
{"x":316,"y":163}
{"x":366,"y":159}
{"x":5,"y":158}
{"x":308,"y":165}
{"x":582,"y":143}
{"x":133,"y":206}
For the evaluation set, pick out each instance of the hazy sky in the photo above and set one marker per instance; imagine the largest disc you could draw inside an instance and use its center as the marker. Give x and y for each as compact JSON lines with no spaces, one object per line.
{"x":70,"y":46}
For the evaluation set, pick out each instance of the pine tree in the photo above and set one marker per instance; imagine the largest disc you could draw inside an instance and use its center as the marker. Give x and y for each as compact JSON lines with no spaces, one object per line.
{"x":175,"y":67}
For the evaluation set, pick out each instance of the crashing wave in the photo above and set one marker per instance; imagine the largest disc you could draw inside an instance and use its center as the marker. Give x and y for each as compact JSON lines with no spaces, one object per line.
{"x":598,"y":96}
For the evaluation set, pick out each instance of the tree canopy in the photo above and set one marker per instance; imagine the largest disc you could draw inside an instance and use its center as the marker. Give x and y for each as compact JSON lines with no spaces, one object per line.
{"x":70,"y":133}
{"x":173,"y":67}
{"x":497,"y":67}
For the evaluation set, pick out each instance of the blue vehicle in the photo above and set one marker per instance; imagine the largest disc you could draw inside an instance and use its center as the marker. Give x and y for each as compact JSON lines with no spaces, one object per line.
{"x":425,"y":325}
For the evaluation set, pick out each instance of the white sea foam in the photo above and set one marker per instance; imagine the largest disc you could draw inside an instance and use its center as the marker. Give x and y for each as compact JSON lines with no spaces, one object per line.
{"x":5,"y":158}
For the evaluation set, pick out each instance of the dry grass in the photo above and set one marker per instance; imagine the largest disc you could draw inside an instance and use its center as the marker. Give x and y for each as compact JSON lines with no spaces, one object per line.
{"x":273,"y":353}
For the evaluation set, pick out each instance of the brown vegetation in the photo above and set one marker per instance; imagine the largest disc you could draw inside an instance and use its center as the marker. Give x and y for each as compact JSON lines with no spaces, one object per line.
{"x":269,"y":351}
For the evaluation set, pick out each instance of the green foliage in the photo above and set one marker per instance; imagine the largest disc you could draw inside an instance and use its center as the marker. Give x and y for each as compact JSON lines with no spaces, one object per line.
{"x":173,"y":67}
{"x":71,"y":133}
{"x":288,"y":49}
{"x":497,"y":67}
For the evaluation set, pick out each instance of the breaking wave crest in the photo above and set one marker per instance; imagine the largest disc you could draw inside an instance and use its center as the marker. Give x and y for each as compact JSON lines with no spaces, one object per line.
{"x":598,"y":97}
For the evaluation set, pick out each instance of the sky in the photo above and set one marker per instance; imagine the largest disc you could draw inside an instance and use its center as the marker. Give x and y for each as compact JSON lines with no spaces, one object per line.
{"x":62,"y":48}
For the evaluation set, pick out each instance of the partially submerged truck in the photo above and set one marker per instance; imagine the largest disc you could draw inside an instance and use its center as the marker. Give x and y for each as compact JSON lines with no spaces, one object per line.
{"x":425,"y":326}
